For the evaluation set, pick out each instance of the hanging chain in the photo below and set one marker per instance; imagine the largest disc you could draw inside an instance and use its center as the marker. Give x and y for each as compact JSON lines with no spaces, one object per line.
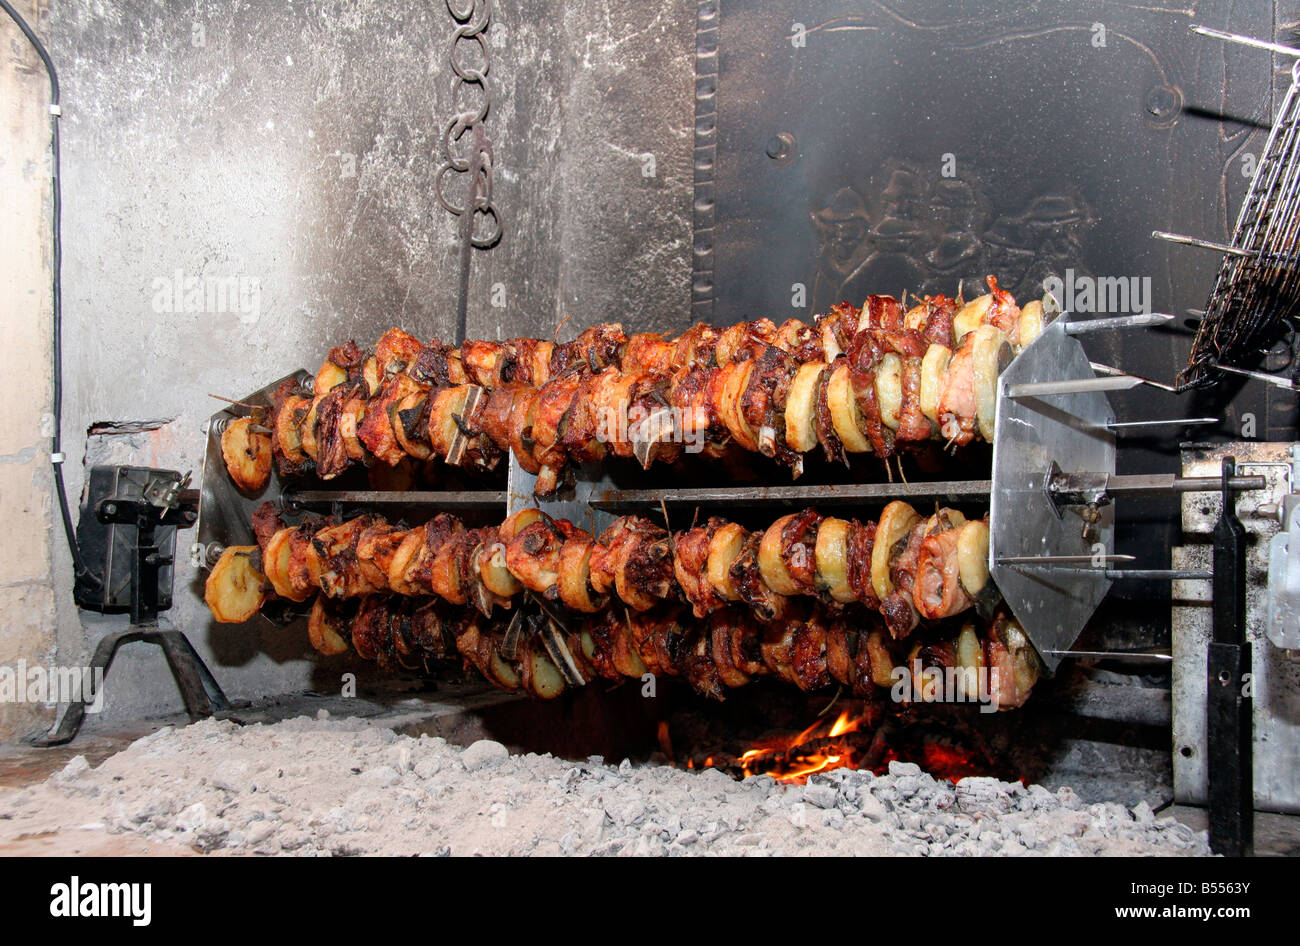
{"x":465,"y":145}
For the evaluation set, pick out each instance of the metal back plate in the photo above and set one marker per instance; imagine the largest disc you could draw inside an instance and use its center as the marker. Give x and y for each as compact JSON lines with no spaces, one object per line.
{"x":572,"y":504}
{"x":1052,"y":603}
{"x":225,"y":511}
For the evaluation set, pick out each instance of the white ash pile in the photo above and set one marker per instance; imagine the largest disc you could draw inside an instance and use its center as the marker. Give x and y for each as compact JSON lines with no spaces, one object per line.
{"x":344,"y":787}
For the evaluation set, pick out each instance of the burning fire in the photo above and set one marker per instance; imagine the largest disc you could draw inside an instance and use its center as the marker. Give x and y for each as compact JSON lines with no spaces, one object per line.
{"x":847,"y":742}
{"x":785,"y":761}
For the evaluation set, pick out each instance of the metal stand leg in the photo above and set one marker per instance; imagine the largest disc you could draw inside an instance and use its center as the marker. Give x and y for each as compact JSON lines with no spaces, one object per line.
{"x":199,"y":689}
{"x":1229,"y":728}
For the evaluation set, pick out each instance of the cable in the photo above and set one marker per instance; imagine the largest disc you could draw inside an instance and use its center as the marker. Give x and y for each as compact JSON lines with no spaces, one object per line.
{"x":56,"y":445}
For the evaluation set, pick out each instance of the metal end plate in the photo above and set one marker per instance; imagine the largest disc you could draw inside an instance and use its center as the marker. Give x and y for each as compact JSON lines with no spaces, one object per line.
{"x":1052,"y":605}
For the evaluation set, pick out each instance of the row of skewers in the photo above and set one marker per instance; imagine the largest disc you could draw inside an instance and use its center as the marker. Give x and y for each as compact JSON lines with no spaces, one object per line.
{"x":905,"y":567}
{"x":877,"y":380}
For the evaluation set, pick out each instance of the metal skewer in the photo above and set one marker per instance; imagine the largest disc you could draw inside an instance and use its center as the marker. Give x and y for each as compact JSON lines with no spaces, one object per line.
{"x":1260,"y":376}
{"x":1244,"y":40}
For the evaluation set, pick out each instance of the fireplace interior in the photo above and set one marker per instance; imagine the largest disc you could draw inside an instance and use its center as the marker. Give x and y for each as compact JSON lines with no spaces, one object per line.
{"x":805,"y":426}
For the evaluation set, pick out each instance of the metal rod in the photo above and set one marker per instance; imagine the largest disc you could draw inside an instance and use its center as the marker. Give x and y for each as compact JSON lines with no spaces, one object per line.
{"x":1073,"y":386}
{"x":1170,"y":422}
{"x":1159,"y":574}
{"x":1114,"y":654}
{"x":1260,"y":376}
{"x":1051,"y":560}
{"x":1138,"y":483}
{"x":612,"y":500}
{"x":1120,"y":373}
{"x":1244,"y":40}
{"x":1118,"y":322}
{"x":1202,"y":244}
{"x":464,"y":498}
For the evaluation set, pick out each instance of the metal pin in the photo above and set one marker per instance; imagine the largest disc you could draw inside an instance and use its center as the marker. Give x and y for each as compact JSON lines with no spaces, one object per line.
{"x":1172,"y":422}
{"x":1112,"y":654}
{"x":1119,"y":373}
{"x":1117,"y":322}
{"x":1072,"y":386}
{"x":1244,"y":40}
{"x":1049,"y":560}
{"x":1260,"y":376}
{"x":1202,"y":244}
{"x":1159,"y":574}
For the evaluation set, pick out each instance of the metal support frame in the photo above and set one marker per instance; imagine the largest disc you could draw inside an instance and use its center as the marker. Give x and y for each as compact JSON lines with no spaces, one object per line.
{"x":164,"y":504}
{"x":1229,"y":734}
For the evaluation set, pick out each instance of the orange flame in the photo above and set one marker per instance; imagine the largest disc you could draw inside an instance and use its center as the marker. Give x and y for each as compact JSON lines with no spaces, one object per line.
{"x":760,"y":760}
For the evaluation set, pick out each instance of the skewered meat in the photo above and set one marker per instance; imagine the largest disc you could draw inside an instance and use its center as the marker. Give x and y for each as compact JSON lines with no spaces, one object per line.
{"x":856,"y":381}
{"x":906,"y":567}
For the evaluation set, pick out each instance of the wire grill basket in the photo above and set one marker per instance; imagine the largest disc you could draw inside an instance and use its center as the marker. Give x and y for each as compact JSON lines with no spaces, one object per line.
{"x":1257,"y":291}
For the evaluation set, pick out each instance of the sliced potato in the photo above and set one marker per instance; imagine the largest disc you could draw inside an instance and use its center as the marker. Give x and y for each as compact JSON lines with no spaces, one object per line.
{"x":801,"y":408}
{"x":235,"y":589}
{"x":831,"y":558}
{"x":771,"y":566}
{"x":915,"y":319}
{"x":541,"y":677}
{"x":989,"y":344}
{"x":501,"y":672}
{"x":737,"y":376}
{"x":934,"y":368}
{"x":413,"y":447}
{"x":275,"y":561}
{"x":325,"y":630}
{"x":403,"y":558}
{"x":896,"y":521}
{"x":371,"y":374}
{"x":973,"y":556}
{"x":494,"y":574}
{"x":575,"y":576}
{"x":1024,"y":659}
{"x":970,"y":317}
{"x":328,"y":378}
{"x":845,"y":417}
{"x":970,"y":661}
{"x":879,"y":659}
{"x":1030,"y":324}
{"x":723,"y":549}
{"x":350,"y":418}
{"x":517,"y":523}
{"x":307,"y":431}
{"x":247,"y":454}
{"x":448,"y":404}
{"x":288,"y":433}
{"x":889,"y":389}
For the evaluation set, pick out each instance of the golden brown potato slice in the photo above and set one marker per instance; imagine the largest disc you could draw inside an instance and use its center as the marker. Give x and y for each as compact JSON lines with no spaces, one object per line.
{"x":990,"y":344}
{"x":725,"y":545}
{"x":889,"y":389}
{"x":845,"y":417}
{"x":288,"y":432}
{"x":235,"y":589}
{"x":896,"y":521}
{"x":275,"y":562}
{"x":771,"y":566}
{"x":247,"y":454}
{"x":307,"y":432}
{"x":326,"y":629}
{"x":328,"y":378}
{"x":934,"y":367}
{"x":831,"y":557}
{"x":801,"y":408}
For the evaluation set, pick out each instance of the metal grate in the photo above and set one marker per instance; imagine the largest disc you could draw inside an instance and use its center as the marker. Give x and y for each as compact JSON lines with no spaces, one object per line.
{"x":1258,"y":286}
